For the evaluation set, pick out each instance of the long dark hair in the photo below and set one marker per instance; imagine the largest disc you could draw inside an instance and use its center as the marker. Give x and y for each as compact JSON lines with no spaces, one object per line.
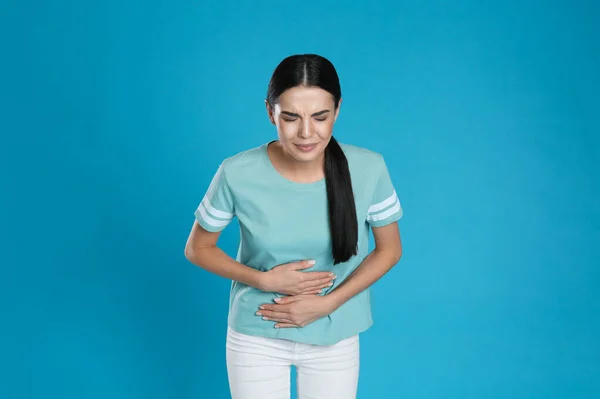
{"x":314,"y":70}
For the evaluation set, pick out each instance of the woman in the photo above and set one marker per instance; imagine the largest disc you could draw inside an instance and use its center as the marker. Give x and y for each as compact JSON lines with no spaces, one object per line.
{"x":305,"y":203}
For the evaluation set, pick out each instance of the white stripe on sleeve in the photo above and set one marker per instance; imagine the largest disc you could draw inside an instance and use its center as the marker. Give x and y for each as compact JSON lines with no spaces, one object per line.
{"x":383,"y":204}
{"x":210,"y":220}
{"x":384,"y":215}
{"x":214,"y":211}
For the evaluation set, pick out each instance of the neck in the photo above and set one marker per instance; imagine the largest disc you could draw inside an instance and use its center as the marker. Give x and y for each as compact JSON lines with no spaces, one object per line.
{"x":301,"y":172}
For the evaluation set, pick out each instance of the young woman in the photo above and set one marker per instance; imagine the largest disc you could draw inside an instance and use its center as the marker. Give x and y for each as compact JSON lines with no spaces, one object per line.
{"x":301,"y":278}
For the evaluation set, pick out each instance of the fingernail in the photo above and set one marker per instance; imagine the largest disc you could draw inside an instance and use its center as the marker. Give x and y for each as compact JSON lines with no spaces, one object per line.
{"x":331,"y":274}
{"x":265,"y":318}
{"x":261,"y":307}
{"x":330,"y":284}
{"x":276,"y":300}
{"x":311,"y":262}
{"x":258,"y":313}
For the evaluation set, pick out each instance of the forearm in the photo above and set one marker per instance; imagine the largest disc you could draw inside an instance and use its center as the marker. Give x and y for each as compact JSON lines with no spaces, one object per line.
{"x":374,"y":266}
{"x":214,"y":260}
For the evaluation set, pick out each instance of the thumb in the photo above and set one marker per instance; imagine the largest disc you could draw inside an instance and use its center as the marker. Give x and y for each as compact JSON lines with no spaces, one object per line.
{"x":285,"y":300}
{"x":305,"y":264}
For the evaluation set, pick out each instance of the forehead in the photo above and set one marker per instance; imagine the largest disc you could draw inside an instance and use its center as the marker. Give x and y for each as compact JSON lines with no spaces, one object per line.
{"x":306,"y":99}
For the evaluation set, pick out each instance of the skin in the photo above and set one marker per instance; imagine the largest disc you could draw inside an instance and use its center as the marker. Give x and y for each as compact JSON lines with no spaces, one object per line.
{"x":301,"y":310}
{"x":294,"y":126}
{"x":306,"y":115}
{"x":302,"y":115}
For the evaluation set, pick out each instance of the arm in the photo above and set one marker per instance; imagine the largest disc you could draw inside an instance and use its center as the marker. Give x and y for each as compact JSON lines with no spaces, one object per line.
{"x":289,"y":279}
{"x":301,"y":310}
{"x":215,"y":212}
{"x":201,"y":250}
{"x":383,"y":216}
{"x":387,"y":253}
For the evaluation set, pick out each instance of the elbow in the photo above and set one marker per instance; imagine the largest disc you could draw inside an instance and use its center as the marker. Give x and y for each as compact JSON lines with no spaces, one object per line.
{"x":197,"y":254}
{"x":396,"y":254}
{"x":188,"y":252}
{"x":391,"y":256}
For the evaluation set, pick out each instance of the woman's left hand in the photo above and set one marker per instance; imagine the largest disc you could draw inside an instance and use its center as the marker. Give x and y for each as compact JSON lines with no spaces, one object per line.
{"x":296,"y":311}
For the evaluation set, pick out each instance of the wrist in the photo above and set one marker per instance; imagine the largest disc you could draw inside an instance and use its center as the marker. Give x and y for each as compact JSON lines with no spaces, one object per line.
{"x":332,"y":301}
{"x":259,"y":280}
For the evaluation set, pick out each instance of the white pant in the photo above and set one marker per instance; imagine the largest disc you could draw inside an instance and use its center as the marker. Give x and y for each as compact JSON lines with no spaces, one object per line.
{"x":259,"y":368}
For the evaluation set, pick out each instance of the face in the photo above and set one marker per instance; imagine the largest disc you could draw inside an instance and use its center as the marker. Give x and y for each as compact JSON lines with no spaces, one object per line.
{"x":304,"y":117}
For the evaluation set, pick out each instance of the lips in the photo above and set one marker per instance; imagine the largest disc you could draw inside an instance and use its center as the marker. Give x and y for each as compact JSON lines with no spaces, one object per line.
{"x":306,"y":147}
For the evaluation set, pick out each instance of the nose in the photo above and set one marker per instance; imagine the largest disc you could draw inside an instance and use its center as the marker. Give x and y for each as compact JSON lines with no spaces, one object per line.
{"x":305,"y":130}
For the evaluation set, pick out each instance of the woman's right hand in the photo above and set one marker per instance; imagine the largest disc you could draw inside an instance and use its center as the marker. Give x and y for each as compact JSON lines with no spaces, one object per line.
{"x":289,"y":279}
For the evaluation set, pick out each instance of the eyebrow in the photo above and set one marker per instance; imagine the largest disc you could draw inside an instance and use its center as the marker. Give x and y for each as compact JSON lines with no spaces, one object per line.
{"x":297,"y":115}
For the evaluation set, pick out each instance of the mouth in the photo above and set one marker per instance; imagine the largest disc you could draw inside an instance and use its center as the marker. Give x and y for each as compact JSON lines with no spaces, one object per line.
{"x":306,"y":147}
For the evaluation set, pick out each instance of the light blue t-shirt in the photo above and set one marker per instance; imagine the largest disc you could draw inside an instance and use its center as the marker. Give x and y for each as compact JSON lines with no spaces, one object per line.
{"x":282,"y":221}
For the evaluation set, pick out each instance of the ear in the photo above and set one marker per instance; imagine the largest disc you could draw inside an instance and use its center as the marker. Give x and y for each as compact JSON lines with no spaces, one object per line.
{"x":270,"y":112}
{"x":337,"y":111}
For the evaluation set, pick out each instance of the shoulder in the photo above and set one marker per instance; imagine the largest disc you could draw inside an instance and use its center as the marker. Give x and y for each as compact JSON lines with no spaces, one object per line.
{"x":244,"y":165}
{"x":242,"y":159}
{"x":362,"y":158}
{"x":355,"y":152}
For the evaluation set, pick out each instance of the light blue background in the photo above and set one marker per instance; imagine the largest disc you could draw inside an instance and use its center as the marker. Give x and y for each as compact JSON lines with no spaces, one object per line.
{"x":115,"y":115}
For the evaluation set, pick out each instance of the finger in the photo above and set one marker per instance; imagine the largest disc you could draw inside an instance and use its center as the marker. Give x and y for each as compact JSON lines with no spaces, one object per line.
{"x":272,"y":315}
{"x":319,"y":276}
{"x":312,"y":292}
{"x":305,"y":264}
{"x":281,"y":321}
{"x":316,"y":285}
{"x":287,"y":299}
{"x":271,"y":308}
{"x":286,"y":325}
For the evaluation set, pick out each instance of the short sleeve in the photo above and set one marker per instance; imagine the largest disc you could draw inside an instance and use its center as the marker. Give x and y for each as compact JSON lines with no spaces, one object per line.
{"x":385,"y":205}
{"x":216,"y":210}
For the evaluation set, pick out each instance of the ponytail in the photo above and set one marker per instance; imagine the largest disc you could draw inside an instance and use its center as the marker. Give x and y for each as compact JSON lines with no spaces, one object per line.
{"x":312,"y":70}
{"x":343,"y":223}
